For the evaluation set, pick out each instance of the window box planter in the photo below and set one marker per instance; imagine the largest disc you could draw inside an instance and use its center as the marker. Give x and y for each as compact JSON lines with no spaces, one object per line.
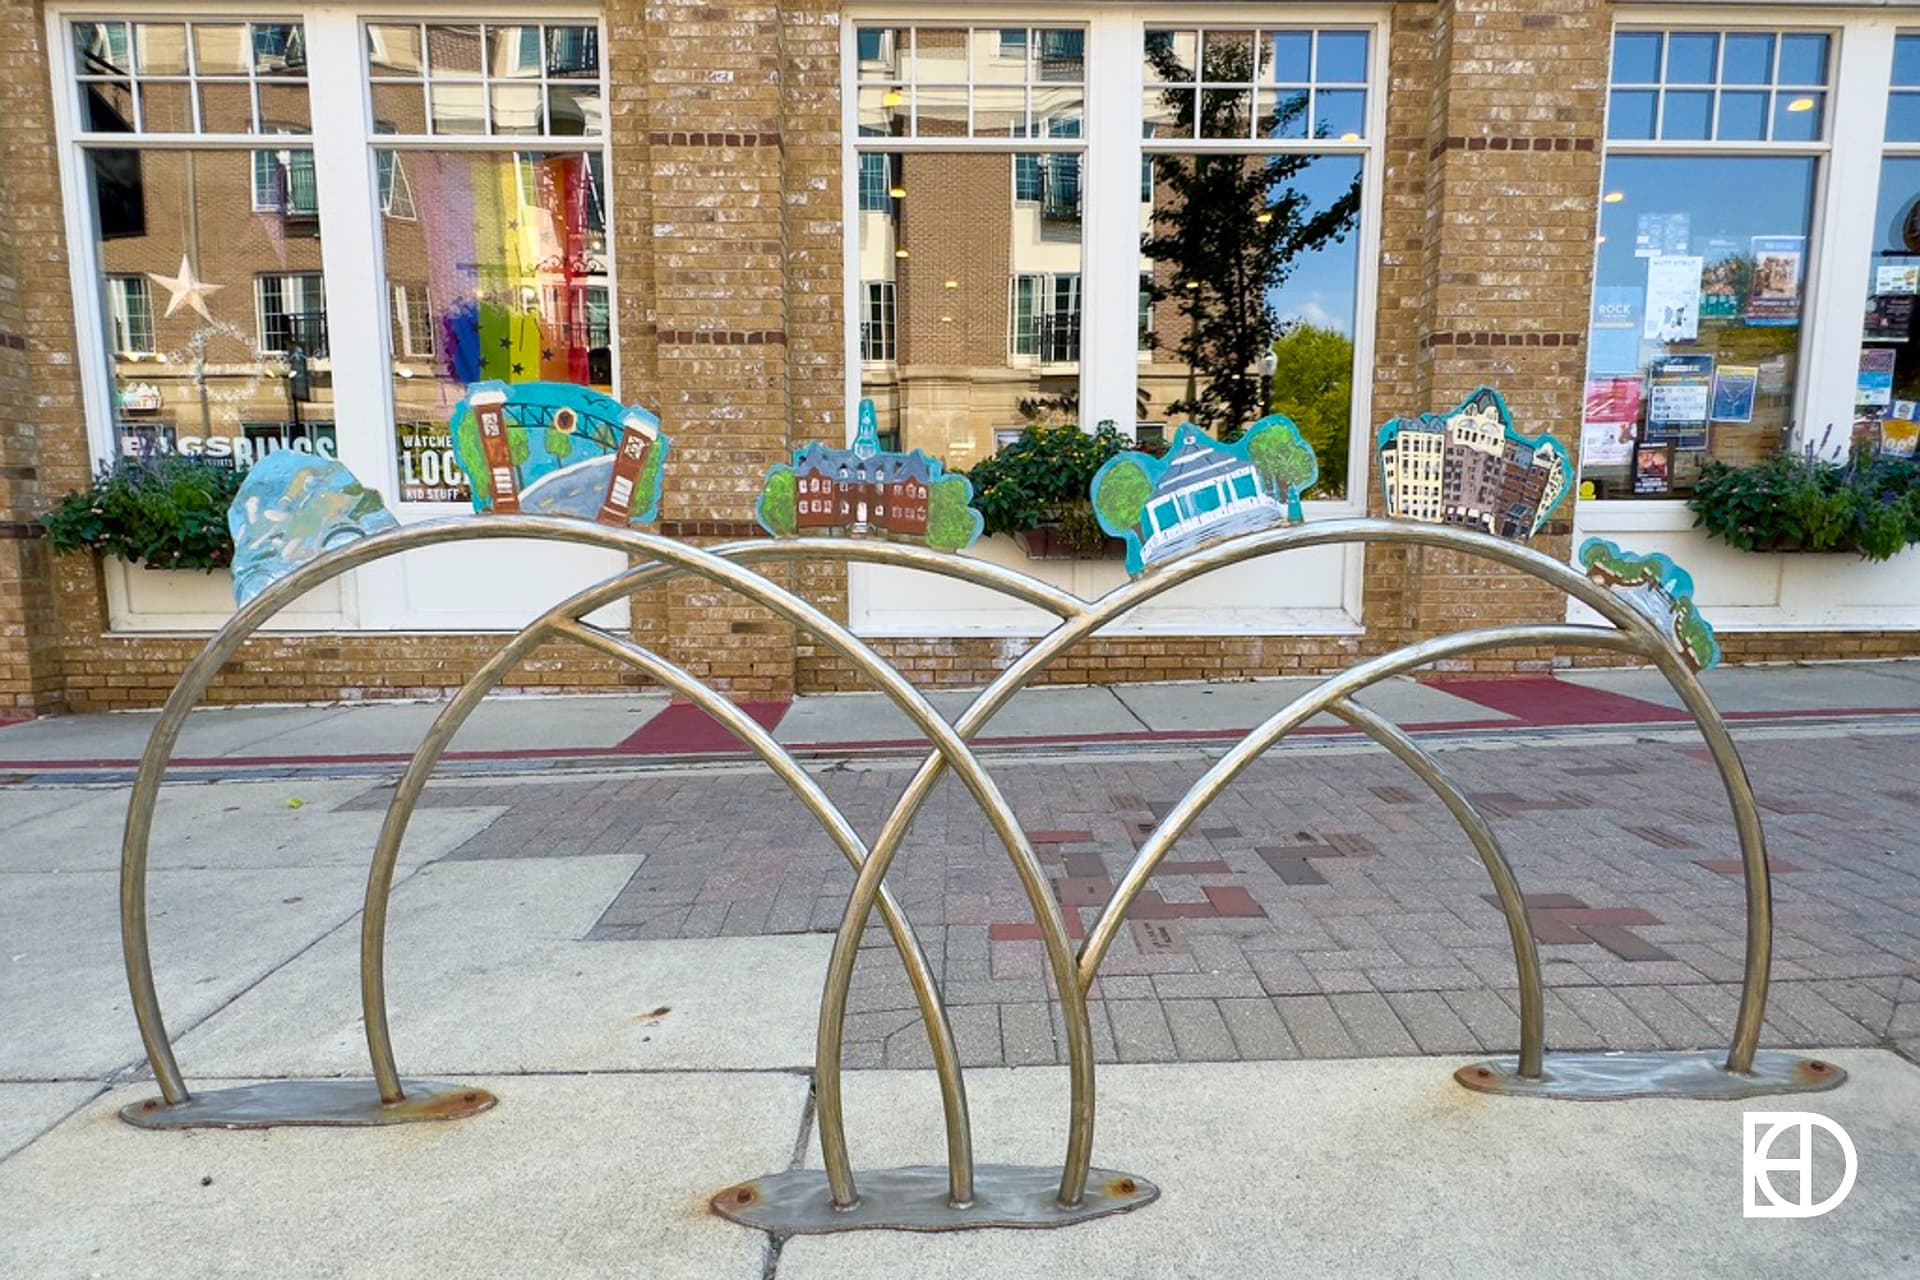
{"x":1867,"y":506}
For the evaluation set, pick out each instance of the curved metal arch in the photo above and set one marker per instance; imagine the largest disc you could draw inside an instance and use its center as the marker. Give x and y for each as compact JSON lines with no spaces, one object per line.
{"x":223,"y":644}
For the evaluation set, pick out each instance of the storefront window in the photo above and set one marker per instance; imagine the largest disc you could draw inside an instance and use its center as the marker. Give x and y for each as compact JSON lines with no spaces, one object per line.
{"x":969,"y":261}
{"x":1889,"y":382}
{"x":1249,"y":260}
{"x":496,"y":259}
{"x":1702,"y":260}
{"x":209,"y":255}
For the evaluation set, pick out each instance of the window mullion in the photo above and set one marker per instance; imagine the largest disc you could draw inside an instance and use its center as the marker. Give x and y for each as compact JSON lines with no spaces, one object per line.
{"x":1110,"y":219}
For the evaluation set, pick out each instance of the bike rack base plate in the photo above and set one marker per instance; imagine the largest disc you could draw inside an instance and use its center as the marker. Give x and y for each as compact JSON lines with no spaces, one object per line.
{"x":1606,"y":1077}
{"x":309,"y":1102}
{"x":799,"y":1202}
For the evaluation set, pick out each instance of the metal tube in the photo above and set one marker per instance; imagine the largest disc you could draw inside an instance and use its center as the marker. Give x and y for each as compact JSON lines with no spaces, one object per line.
{"x":913,"y":957}
{"x":1280,"y":723}
{"x":1526,"y":955}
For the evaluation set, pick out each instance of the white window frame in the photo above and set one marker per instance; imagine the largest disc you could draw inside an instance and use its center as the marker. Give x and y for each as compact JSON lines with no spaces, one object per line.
{"x":1111,"y":152}
{"x":120,"y":293}
{"x":1839,"y":232}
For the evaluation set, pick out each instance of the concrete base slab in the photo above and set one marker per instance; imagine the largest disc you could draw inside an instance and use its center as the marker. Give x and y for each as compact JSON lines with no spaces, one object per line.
{"x":1388,"y":1168}
{"x":1836,"y":687}
{"x":1192,"y":708}
{"x":498,"y":724}
{"x":234,"y":825}
{"x":28,"y":1110}
{"x":569,"y":1176}
{"x":485,"y":973}
{"x":122,"y":735}
{"x":872,"y":717}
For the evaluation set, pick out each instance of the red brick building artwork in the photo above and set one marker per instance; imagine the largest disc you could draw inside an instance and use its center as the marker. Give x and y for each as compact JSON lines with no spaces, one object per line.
{"x":751,"y":216}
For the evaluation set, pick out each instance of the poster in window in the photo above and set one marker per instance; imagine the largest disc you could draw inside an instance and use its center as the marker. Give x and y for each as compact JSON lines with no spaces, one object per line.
{"x":429,"y":471}
{"x":1610,"y":423}
{"x":1899,"y":433}
{"x":1723,"y":280}
{"x":1653,"y":468}
{"x":1673,"y":298}
{"x":1658,"y":233}
{"x":1679,"y":396}
{"x":1734,"y":386}
{"x":1875,"y":379}
{"x":1890,"y":309}
{"x":1779,"y":263}
{"x":1613,"y":342}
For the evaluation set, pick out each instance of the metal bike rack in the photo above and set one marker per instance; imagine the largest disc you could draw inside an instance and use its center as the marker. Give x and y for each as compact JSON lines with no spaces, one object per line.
{"x":958,"y":1194}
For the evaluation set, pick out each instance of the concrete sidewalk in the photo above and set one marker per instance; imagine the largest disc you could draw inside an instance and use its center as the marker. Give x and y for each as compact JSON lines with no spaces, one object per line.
{"x":637,"y":1078}
{"x":517,"y":732}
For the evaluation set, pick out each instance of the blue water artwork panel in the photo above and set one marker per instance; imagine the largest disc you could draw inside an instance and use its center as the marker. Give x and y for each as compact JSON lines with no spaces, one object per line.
{"x":1203,"y":490}
{"x":1472,"y":469}
{"x":291,"y":507}
{"x":559,"y":449}
{"x":1658,"y":588}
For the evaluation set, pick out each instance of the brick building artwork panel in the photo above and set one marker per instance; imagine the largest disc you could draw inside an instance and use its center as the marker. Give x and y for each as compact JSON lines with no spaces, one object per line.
{"x":1471,"y":468}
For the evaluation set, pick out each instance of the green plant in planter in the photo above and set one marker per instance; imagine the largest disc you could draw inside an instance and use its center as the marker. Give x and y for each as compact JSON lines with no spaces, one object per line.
{"x":1041,"y":480}
{"x":1798,"y":501}
{"x":168,"y":512}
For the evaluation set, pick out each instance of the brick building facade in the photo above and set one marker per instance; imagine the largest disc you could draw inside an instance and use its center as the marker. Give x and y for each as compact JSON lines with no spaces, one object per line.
{"x":726,"y":174}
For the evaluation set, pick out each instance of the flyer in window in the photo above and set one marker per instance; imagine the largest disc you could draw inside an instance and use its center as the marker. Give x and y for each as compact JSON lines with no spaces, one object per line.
{"x":1679,"y":400}
{"x":1779,"y":263}
{"x":1653,"y":468}
{"x":1875,"y":383}
{"x":1720,"y":281}
{"x":1611,"y":422}
{"x":1734,"y":386}
{"x":1899,"y":433}
{"x":1658,"y":233}
{"x":1673,"y":298}
{"x":1613,"y":341}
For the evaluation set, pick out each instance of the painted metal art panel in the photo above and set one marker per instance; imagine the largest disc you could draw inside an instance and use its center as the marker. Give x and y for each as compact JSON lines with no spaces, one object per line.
{"x":557,"y":449}
{"x":1622,"y":588}
{"x":292,"y":507}
{"x":1470,"y":468}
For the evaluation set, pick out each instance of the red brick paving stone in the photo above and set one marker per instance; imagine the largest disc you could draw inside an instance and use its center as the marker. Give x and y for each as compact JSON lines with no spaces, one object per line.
{"x":1661,"y":837}
{"x":684,"y":727}
{"x":1545,"y":700}
{"x":1026,"y":931}
{"x":1541,"y":901}
{"x":1083,"y":891}
{"x":1232,"y":900}
{"x":1554,"y":931}
{"x":1214,"y":867}
{"x":1060,"y":837}
{"x":1735,"y":867}
{"x":1296,"y":871}
{"x":1151,"y":906}
{"x":1348,"y":845}
{"x":1624,"y":943}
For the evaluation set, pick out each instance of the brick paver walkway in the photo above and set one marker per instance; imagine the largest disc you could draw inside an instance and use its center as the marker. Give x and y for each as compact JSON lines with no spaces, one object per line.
{"x":1326,"y":906}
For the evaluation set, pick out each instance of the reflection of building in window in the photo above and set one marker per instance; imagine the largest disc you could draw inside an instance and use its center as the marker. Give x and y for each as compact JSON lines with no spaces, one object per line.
{"x":283,"y":182}
{"x":874,"y":183}
{"x":396,"y":193}
{"x":279,"y":46}
{"x":412,"y":321}
{"x":1046,"y":317}
{"x":292,"y":312}
{"x":877,"y":321}
{"x":132,"y":306}
{"x":1145,"y":319}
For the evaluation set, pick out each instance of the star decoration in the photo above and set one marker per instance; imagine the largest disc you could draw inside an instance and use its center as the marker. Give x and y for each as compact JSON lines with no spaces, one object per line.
{"x":546,"y":353}
{"x":506,"y":344}
{"x":185,"y":289}
{"x":518,"y":367}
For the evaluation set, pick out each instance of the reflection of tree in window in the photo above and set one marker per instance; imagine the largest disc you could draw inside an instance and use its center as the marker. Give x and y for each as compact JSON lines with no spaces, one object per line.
{"x":1231,"y":229}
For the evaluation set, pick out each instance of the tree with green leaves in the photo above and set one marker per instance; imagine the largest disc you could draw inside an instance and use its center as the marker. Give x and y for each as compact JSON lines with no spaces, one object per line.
{"x":1121,"y":496}
{"x":472,"y":456}
{"x":1284,"y":461}
{"x":779,"y":504}
{"x":559,"y":444}
{"x":952,"y":523}
{"x":1230,"y":228}
{"x":1313,"y":385}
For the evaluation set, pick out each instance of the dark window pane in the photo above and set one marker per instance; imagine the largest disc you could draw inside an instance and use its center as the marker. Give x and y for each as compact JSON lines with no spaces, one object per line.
{"x":1630,"y":113}
{"x":1687,"y":114}
{"x":1636,"y":57}
{"x":1894,"y":281}
{"x":1906,"y":60}
{"x":1342,"y":58}
{"x":1803,"y":60}
{"x":1692,"y":57}
{"x":1749,"y":59}
{"x":1743,"y":117}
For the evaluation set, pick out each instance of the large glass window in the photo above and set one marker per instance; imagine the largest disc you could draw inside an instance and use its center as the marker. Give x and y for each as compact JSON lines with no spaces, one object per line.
{"x":207,"y":246}
{"x":1249,"y":265}
{"x":1888,"y":388}
{"x":1703,"y":254}
{"x":496,"y":255}
{"x":970,"y":147}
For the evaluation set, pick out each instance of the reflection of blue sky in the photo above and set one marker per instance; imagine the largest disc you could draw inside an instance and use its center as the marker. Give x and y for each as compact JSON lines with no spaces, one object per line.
{"x":1320,"y":289}
{"x":1725,"y":198}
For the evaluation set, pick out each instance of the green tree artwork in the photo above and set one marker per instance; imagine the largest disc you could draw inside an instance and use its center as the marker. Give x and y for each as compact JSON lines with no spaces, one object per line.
{"x":1229,"y":230}
{"x":779,"y":512}
{"x":952,"y":523}
{"x":1313,"y":385}
{"x":517,"y":447}
{"x":1123,"y":494}
{"x":1284,"y":460}
{"x":472,"y":457}
{"x":559,"y":444}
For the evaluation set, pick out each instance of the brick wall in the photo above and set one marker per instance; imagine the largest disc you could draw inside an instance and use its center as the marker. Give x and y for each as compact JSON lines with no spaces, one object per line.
{"x":725,"y":188}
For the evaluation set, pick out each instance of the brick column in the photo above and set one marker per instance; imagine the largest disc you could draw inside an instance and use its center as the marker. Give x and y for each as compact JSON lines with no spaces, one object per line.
{"x":1508,"y":183}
